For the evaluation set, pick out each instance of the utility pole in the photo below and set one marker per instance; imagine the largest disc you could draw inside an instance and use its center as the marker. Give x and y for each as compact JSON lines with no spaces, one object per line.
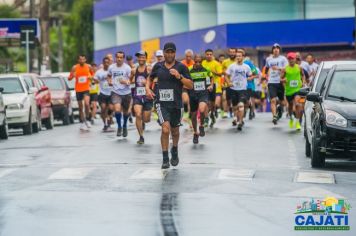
{"x":44,"y":19}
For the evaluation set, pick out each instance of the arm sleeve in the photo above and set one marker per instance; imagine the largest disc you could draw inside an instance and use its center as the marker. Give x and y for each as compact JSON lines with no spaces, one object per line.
{"x":154,"y":71}
{"x":185,"y":72}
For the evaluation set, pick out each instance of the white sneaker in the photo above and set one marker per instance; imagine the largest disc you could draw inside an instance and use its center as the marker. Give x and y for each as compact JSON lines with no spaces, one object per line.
{"x":83,"y":127}
{"x":88,"y":124}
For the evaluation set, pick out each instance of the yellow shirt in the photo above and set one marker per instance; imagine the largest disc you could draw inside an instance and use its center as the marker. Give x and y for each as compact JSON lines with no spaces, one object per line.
{"x":94,"y":89}
{"x":226,"y":63}
{"x":215,"y":67}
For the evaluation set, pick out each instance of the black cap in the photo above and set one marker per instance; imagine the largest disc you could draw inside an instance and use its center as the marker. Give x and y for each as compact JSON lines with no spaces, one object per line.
{"x":141,"y":53}
{"x":169,"y":46}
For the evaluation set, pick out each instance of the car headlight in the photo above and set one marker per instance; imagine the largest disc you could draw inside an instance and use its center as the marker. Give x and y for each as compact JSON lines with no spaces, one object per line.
{"x":15,"y":106}
{"x":334,"y":118}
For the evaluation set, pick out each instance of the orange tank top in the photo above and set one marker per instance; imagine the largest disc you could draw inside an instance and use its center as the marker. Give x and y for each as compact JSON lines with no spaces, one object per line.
{"x":82,"y":78}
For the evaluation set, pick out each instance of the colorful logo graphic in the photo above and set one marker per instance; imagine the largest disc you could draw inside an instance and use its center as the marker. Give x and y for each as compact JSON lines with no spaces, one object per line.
{"x":328,"y":214}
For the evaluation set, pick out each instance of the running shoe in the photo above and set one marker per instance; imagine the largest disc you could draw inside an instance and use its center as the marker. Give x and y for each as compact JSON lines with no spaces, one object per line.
{"x":141,"y":140}
{"x":119,"y":132}
{"x":291,"y":123}
{"x":88,"y":124}
{"x":298,"y":127}
{"x":165,"y":163}
{"x":174,"y":159}
{"x":275,"y":120}
{"x":201,"y":131}
{"x":195,"y":139}
{"x":105,"y":129}
{"x":234,"y":122}
{"x":279,"y":112}
{"x":83,"y":127}
{"x":239,"y":127}
{"x":124,"y":132}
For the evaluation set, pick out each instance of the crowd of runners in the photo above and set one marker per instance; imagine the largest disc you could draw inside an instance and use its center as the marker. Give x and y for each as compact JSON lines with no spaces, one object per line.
{"x":198,"y":90}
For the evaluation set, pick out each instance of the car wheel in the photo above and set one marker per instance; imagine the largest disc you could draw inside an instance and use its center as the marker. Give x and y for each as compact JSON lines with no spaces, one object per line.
{"x":307,"y":147}
{"x":317,"y":157}
{"x":66,"y":119}
{"x":49,"y":123}
{"x":27,"y":129}
{"x":4,"y":130}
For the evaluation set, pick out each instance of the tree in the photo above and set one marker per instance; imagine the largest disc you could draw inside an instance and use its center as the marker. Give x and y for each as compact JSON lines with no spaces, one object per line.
{"x":79,"y":39}
{"x":7,"y":11}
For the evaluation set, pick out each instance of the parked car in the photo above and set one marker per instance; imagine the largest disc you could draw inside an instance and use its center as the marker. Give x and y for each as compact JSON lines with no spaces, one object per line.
{"x":4,"y":130}
{"x":316,"y":85}
{"x":21,"y":108}
{"x":333,"y":119}
{"x":71,"y":86}
{"x":43,"y":99}
{"x":61,"y":100}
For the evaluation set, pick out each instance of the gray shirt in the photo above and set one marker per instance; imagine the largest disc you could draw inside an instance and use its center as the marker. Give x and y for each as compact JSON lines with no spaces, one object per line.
{"x":104,"y":87}
{"x":119,"y":74}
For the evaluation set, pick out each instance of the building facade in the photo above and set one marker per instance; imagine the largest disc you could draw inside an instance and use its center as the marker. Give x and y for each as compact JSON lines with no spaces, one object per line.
{"x":131,"y":25}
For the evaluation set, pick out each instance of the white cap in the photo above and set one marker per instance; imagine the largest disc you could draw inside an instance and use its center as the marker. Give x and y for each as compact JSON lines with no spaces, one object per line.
{"x":159,"y":53}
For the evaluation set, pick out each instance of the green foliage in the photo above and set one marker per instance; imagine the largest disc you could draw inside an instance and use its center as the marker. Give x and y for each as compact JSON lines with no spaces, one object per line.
{"x":7,"y":11}
{"x":79,"y":38}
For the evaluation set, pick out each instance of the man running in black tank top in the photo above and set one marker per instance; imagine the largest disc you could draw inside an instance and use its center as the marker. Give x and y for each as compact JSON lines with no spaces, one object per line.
{"x":172,"y":76}
{"x":142,"y":105}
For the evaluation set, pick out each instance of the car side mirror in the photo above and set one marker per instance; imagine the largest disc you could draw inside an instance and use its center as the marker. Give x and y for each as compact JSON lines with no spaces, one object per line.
{"x":1,"y":89}
{"x":304,"y":91}
{"x":32,"y":90}
{"x":314,"y":97}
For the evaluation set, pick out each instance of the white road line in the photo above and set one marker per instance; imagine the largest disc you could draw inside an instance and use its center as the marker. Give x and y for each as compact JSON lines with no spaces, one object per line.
{"x":314,"y":177}
{"x":71,"y":173}
{"x":149,"y":174}
{"x":236,"y":174}
{"x":4,"y":172}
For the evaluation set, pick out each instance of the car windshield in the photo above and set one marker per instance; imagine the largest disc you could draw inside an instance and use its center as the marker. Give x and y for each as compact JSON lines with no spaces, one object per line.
{"x":343,"y":86}
{"x":11,"y":85}
{"x":53,"y":83}
{"x":321,"y":79}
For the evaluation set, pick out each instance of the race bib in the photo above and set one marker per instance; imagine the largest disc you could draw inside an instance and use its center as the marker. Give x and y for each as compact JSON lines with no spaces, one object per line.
{"x":93,"y":87}
{"x":166,"y":95}
{"x":238,"y":84}
{"x":293,"y":83}
{"x":82,"y":79}
{"x":119,"y":79}
{"x":141,"y":91}
{"x":199,"y":86}
{"x":207,"y":80}
{"x":274,"y":76}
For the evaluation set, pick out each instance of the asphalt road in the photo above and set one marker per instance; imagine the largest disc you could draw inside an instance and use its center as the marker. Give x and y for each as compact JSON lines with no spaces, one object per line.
{"x":65,"y":182}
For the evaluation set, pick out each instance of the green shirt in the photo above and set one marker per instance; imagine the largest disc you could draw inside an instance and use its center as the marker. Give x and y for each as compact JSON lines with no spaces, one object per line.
{"x":201,"y":79}
{"x":293,"y":79}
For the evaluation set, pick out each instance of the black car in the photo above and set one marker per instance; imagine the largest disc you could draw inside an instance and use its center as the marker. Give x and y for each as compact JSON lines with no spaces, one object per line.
{"x":333,"y":118}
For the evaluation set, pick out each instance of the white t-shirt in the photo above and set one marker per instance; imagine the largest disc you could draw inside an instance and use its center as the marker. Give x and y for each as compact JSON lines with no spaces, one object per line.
{"x":118,"y":74}
{"x":104,"y":87}
{"x":257,"y":80}
{"x":275,"y":75}
{"x":238,"y":75}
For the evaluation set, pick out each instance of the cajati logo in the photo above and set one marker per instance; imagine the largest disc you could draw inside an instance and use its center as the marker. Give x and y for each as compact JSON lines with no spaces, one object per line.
{"x":328,"y":214}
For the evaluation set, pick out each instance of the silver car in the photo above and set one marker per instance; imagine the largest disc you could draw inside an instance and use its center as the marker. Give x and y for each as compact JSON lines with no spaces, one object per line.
{"x":317,"y":83}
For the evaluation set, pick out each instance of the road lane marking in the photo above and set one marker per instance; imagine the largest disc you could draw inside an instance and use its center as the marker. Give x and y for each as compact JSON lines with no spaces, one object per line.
{"x":314,"y":177}
{"x":149,"y":174}
{"x":71,"y":173}
{"x":5,"y":172}
{"x":311,"y":192}
{"x":236,"y":174}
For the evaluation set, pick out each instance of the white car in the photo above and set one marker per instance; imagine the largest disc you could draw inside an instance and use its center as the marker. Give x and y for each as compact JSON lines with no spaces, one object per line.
{"x":4,"y":131}
{"x":317,"y":83}
{"x":21,"y":109}
{"x":71,"y":85}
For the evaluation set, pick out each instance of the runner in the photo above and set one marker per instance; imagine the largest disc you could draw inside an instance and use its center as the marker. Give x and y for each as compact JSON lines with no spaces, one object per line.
{"x":215,"y":96}
{"x":293,"y":78}
{"x":172,"y":76}
{"x":199,"y":96}
{"x":142,"y":105}
{"x":275,"y":64}
{"x":257,"y":94}
{"x":104,"y":98}
{"x":119,"y":78}
{"x":188,"y":62}
{"x":94,"y":90}
{"x":82,"y":72}
{"x":238,"y":74}
{"x":250,"y":88}
{"x":227,"y":98}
